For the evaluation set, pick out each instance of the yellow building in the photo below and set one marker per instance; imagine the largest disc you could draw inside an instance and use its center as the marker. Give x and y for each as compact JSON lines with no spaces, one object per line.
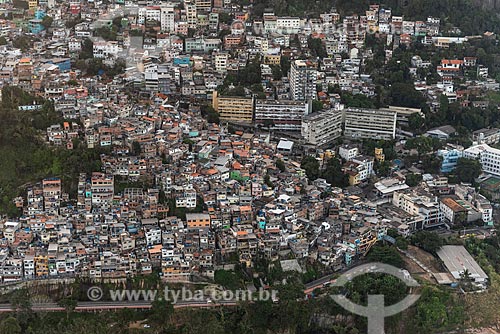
{"x":41,"y":265}
{"x":272,"y":59}
{"x":233,"y":108}
{"x":32,"y":4}
{"x":379,"y":154}
{"x":198,"y":220}
{"x":353,"y":178}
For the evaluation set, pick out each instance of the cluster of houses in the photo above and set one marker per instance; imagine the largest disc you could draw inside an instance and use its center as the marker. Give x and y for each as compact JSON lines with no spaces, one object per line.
{"x":179,"y":196}
{"x":214,"y":199}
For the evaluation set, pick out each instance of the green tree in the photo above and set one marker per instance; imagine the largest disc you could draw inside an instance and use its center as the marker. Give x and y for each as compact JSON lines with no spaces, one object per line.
{"x":69,"y":305}
{"x":277,"y":72}
{"x":210,"y":114}
{"x":20,"y":300}
{"x":428,"y":241}
{"x":416,"y":123}
{"x":10,"y":325}
{"x":136,"y":148}
{"x":228,"y":279}
{"x":436,"y":310}
{"x":333,"y":173}
{"x":317,"y":48}
{"x":468,"y":170}
{"x":413,"y":180}
{"x":280,"y":164}
{"x":160,"y":313}
{"x":311,"y":167}
{"x":268,"y":182}
{"x":423,"y":144}
{"x":385,"y":254}
{"x":391,"y":287}
{"x":317,"y":105}
{"x":47,"y":22}
{"x":405,"y":95}
{"x":87,"y":49}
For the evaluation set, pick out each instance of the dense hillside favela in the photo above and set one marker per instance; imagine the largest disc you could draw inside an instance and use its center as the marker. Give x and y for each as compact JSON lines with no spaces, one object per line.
{"x":249,"y":166}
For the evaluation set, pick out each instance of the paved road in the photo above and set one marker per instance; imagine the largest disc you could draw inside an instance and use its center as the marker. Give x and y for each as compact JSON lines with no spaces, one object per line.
{"x":102,"y":306}
{"x":110,"y":305}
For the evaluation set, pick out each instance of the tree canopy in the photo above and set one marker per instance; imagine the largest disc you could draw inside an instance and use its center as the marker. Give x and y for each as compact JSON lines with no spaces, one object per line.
{"x":468,"y":170}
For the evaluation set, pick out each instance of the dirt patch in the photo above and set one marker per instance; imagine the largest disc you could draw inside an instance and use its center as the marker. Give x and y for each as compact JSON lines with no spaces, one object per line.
{"x":417,"y":272}
{"x":136,"y":324}
{"x":427,"y":259}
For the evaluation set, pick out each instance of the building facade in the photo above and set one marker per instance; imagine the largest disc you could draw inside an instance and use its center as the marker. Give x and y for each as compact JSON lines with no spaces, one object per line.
{"x":322,"y":128}
{"x":450,"y":159}
{"x":369,"y":123}
{"x":281,"y":115}
{"x":303,"y":76}
{"x":233,"y":109}
{"x":488,"y":156}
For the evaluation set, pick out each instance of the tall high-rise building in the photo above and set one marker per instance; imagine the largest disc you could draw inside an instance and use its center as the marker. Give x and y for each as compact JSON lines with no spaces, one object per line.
{"x":167,"y":18}
{"x":303,"y":76}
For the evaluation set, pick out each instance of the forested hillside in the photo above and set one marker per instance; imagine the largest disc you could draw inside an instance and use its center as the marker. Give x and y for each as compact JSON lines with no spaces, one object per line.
{"x":464,"y":14}
{"x":26,"y":158}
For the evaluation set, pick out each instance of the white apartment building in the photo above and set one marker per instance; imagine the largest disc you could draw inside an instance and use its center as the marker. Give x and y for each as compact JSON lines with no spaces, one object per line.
{"x":167,"y":18}
{"x":348,"y":152}
{"x":153,"y":236}
{"x":322,"y":128}
{"x":281,"y":114}
{"x":417,"y":204}
{"x":487,"y":155}
{"x":187,"y":199}
{"x":74,"y":45}
{"x":367,"y":166}
{"x":29,"y":266}
{"x":288,"y":25}
{"x":153,"y":14}
{"x":106,"y":49}
{"x":370,"y":123}
{"x":303,"y":76}
{"x":221,"y":59}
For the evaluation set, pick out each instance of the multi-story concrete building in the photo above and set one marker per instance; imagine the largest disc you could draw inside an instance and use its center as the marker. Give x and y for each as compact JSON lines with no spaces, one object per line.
{"x":322,"y":128}
{"x":281,"y":115}
{"x":203,"y":5}
{"x":221,"y":60}
{"x":52,"y":194}
{"x":102,"y":188}
{"x":167,"y":18}
{"x":105,"y":49}
{"x":233,"y":109}
{"x":419,"y":204}
{"x":348,"y":152}
{"x":450,"y":158}
{"x":488,"y":156}
{"x":486,"y":136}
{"x":191,"y":14}
{"x":303,"y":76}
{"x":370,"y":123}
{"x":198,"y":220}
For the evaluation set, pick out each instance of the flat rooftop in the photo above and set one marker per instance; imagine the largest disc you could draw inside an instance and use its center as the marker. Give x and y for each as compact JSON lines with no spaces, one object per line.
{"x":457,"y":259}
